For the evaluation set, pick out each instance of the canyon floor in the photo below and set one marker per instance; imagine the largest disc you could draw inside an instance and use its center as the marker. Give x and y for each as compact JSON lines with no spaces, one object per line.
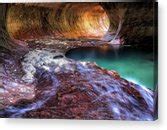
{"x":44,"y":83}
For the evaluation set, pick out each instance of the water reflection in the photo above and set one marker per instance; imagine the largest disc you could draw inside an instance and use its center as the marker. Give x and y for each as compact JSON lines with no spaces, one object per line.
{"x":133,"y":63}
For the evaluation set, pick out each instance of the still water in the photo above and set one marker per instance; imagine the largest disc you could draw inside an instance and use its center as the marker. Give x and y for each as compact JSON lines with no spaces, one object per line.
{"x":132,"y":63}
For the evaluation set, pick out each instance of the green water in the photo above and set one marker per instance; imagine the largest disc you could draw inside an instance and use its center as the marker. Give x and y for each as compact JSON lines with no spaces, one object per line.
{"x":133,"y":64}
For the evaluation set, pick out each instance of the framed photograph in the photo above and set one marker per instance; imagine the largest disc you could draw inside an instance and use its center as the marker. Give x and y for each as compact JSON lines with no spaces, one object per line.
{"x":89,"y":60}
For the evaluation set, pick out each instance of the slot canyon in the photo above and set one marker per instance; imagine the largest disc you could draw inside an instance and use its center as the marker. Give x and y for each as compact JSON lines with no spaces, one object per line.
{"x":78,"y":61}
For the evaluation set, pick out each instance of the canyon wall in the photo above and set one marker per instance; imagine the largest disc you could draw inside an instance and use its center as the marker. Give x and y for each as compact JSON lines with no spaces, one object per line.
{"x":102,"y":21}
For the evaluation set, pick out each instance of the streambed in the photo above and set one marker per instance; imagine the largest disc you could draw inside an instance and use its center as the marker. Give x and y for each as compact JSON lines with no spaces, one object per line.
{"x":58,"y":86}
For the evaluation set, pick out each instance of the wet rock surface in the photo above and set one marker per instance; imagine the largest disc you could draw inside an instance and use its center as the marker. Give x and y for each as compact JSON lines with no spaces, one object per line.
{"x":58,"y":87}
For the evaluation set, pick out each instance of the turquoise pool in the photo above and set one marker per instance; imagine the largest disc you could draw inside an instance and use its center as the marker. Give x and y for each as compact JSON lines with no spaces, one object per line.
{"x":134,"y":64}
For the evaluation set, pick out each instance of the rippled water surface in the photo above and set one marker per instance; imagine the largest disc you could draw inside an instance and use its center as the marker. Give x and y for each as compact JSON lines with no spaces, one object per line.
{"x":134,"y":64}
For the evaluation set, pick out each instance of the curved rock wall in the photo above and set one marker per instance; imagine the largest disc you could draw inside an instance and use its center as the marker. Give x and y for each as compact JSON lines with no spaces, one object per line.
{"x":77,"y":20}
{"x":136,"y":20}
{"x":102,"y":21}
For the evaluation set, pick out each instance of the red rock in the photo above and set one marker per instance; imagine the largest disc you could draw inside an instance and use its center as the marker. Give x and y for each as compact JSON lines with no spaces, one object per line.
{"x":84,"y":91}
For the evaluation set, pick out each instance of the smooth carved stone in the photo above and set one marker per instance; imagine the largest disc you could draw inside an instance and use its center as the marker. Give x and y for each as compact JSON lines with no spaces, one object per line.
{"x":87,"y":92}
{"x":71,"y":89}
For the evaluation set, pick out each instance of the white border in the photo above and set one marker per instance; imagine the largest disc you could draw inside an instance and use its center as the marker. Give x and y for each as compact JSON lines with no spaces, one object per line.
{"x":160,"y":124}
